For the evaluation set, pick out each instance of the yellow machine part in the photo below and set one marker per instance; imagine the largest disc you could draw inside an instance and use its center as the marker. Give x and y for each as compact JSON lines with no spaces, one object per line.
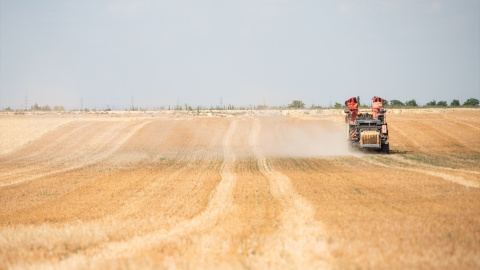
{"x":370,"y":137}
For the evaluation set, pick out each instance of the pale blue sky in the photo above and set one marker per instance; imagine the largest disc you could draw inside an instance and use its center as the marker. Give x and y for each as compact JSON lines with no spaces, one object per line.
{"x":159,"y":52}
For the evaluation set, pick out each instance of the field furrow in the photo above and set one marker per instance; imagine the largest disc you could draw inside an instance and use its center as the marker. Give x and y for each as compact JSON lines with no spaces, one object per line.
{"x":299,"y":241}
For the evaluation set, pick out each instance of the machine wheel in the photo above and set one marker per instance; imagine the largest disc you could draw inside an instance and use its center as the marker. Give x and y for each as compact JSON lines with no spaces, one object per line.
{"x":386,"y":148}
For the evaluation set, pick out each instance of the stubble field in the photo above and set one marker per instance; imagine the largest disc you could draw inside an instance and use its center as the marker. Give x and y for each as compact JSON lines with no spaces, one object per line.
{"x":280,"y":192}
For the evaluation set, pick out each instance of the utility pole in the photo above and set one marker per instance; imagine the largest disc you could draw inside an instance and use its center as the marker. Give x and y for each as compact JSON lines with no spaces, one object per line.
{"x":81,"y":104}
{"x":26,"y":101}
{"x":131,"y":104}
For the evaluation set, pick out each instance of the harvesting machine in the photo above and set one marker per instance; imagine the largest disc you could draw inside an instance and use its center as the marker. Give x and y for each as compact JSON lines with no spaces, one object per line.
{"x":367,"y":129}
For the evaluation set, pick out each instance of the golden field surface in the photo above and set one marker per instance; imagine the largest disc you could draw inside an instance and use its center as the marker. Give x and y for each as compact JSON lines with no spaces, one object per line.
{"x":156,"y":191}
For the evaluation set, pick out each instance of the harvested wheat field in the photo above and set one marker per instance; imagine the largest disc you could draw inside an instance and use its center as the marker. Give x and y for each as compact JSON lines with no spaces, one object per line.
{"x":155,"y":191}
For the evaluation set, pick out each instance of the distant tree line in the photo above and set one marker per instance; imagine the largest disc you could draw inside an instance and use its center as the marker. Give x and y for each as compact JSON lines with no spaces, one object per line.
{"x":296,"y":104}
{"x":471,"y":102}
{"x":46,"y":108}
{"x":394,"y":103}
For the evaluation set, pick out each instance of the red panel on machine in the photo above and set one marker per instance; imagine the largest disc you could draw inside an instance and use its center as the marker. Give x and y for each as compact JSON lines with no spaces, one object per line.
{"x":352,"y":106}
{"x":377,"y":105}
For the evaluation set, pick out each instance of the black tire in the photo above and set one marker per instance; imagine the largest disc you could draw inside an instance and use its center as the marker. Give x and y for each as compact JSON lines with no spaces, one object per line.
{"x":386,"y":148}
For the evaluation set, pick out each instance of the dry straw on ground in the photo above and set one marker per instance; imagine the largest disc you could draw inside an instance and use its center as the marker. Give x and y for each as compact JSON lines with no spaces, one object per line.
{"x":278,"y":192}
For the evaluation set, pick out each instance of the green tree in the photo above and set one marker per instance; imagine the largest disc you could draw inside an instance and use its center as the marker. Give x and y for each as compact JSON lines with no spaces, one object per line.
{"x":471,"y":102}
{"x":297,"y":104}
{"x":431,"y":103}
{"x":442,"y":103}
{"x":455,"y":103}
{"x":338,"y":105}
{"x":385,"y":102}
{"x":35,"y":107}
{"x":396,"y":103}
{"x":411,"y":103}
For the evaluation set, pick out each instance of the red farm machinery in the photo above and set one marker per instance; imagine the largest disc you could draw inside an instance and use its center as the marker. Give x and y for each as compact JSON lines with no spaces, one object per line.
{"x":367,"y":130}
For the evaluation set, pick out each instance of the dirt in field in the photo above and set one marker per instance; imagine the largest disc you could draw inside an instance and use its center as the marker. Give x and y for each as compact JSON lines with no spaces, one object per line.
{"x":281,"y":192}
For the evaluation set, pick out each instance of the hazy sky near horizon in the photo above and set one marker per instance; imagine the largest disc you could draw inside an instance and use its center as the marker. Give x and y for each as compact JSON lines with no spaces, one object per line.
{"x":59,"y":52}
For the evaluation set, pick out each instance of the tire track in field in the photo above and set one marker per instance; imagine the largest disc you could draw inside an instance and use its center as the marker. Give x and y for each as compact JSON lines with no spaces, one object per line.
{"x":28,"y":160}
{"x":455,"y":179}
{"x":461,"y":122}
{"x":58,"y":143}
{"x":25,"y":150}
{"x":407,"y":138}
{"x":402,"y":159}
{"x":100,"y":157}
{"x":103,"y":227}
{"x":299,"y":240}
{"x":36,"y":160}
{"x":20,"y":131}
{"x":220,"y":204}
